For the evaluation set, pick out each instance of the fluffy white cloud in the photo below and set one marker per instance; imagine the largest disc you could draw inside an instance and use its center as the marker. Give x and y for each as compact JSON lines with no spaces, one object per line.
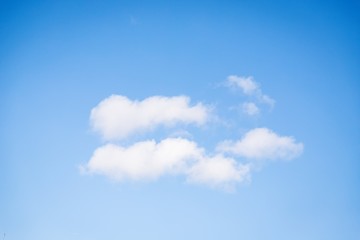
{"x":143,"y":160}
{"x":219,"y":171}
{"x":262,"y":143}
{"x":117,"y":116}
{"x":250,"y":108}
{"x":149,"y":160}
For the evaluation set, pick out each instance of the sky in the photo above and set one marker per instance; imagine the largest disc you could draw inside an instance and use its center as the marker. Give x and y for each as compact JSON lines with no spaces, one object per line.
{"x":180,"y":120}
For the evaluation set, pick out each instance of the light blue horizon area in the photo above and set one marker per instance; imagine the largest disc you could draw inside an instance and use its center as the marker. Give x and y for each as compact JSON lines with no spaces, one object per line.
{"x":59,"y":59}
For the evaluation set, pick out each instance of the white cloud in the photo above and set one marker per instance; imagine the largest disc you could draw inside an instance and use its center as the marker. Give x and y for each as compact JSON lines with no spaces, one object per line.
{"x":267,"y":100}
{"x":143,"y":160}
{"x":262,"y":143}
{"x":117,"y":117}
{"x":219,"y":171}
{"x":149,"y":160}
{"x":250,"y":108}
{"x":250,"y":87}
{"x":247,"y":84}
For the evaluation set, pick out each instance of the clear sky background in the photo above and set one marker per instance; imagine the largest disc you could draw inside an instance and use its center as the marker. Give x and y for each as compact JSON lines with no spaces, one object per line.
{"x":59,"y":59}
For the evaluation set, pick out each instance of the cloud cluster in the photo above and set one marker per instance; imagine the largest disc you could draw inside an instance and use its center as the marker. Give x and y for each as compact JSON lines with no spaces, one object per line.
{"x":230,"y":163}
{"x":117,"y":117}
{"x":148,"y":160}
{"x":251,"y":89}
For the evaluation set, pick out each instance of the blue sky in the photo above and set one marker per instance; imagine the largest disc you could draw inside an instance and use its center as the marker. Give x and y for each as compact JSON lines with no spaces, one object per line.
{"x":60,"y":59}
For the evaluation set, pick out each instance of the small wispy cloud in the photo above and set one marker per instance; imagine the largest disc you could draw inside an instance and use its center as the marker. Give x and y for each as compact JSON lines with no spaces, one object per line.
{"x":267,"y":100}
{"x":250,"y":108}
{"x":250,"y":88}
{"x":246,"y":84}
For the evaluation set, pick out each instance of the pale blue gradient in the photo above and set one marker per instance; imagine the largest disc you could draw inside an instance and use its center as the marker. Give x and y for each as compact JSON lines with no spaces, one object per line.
{"x":58,"y":59}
